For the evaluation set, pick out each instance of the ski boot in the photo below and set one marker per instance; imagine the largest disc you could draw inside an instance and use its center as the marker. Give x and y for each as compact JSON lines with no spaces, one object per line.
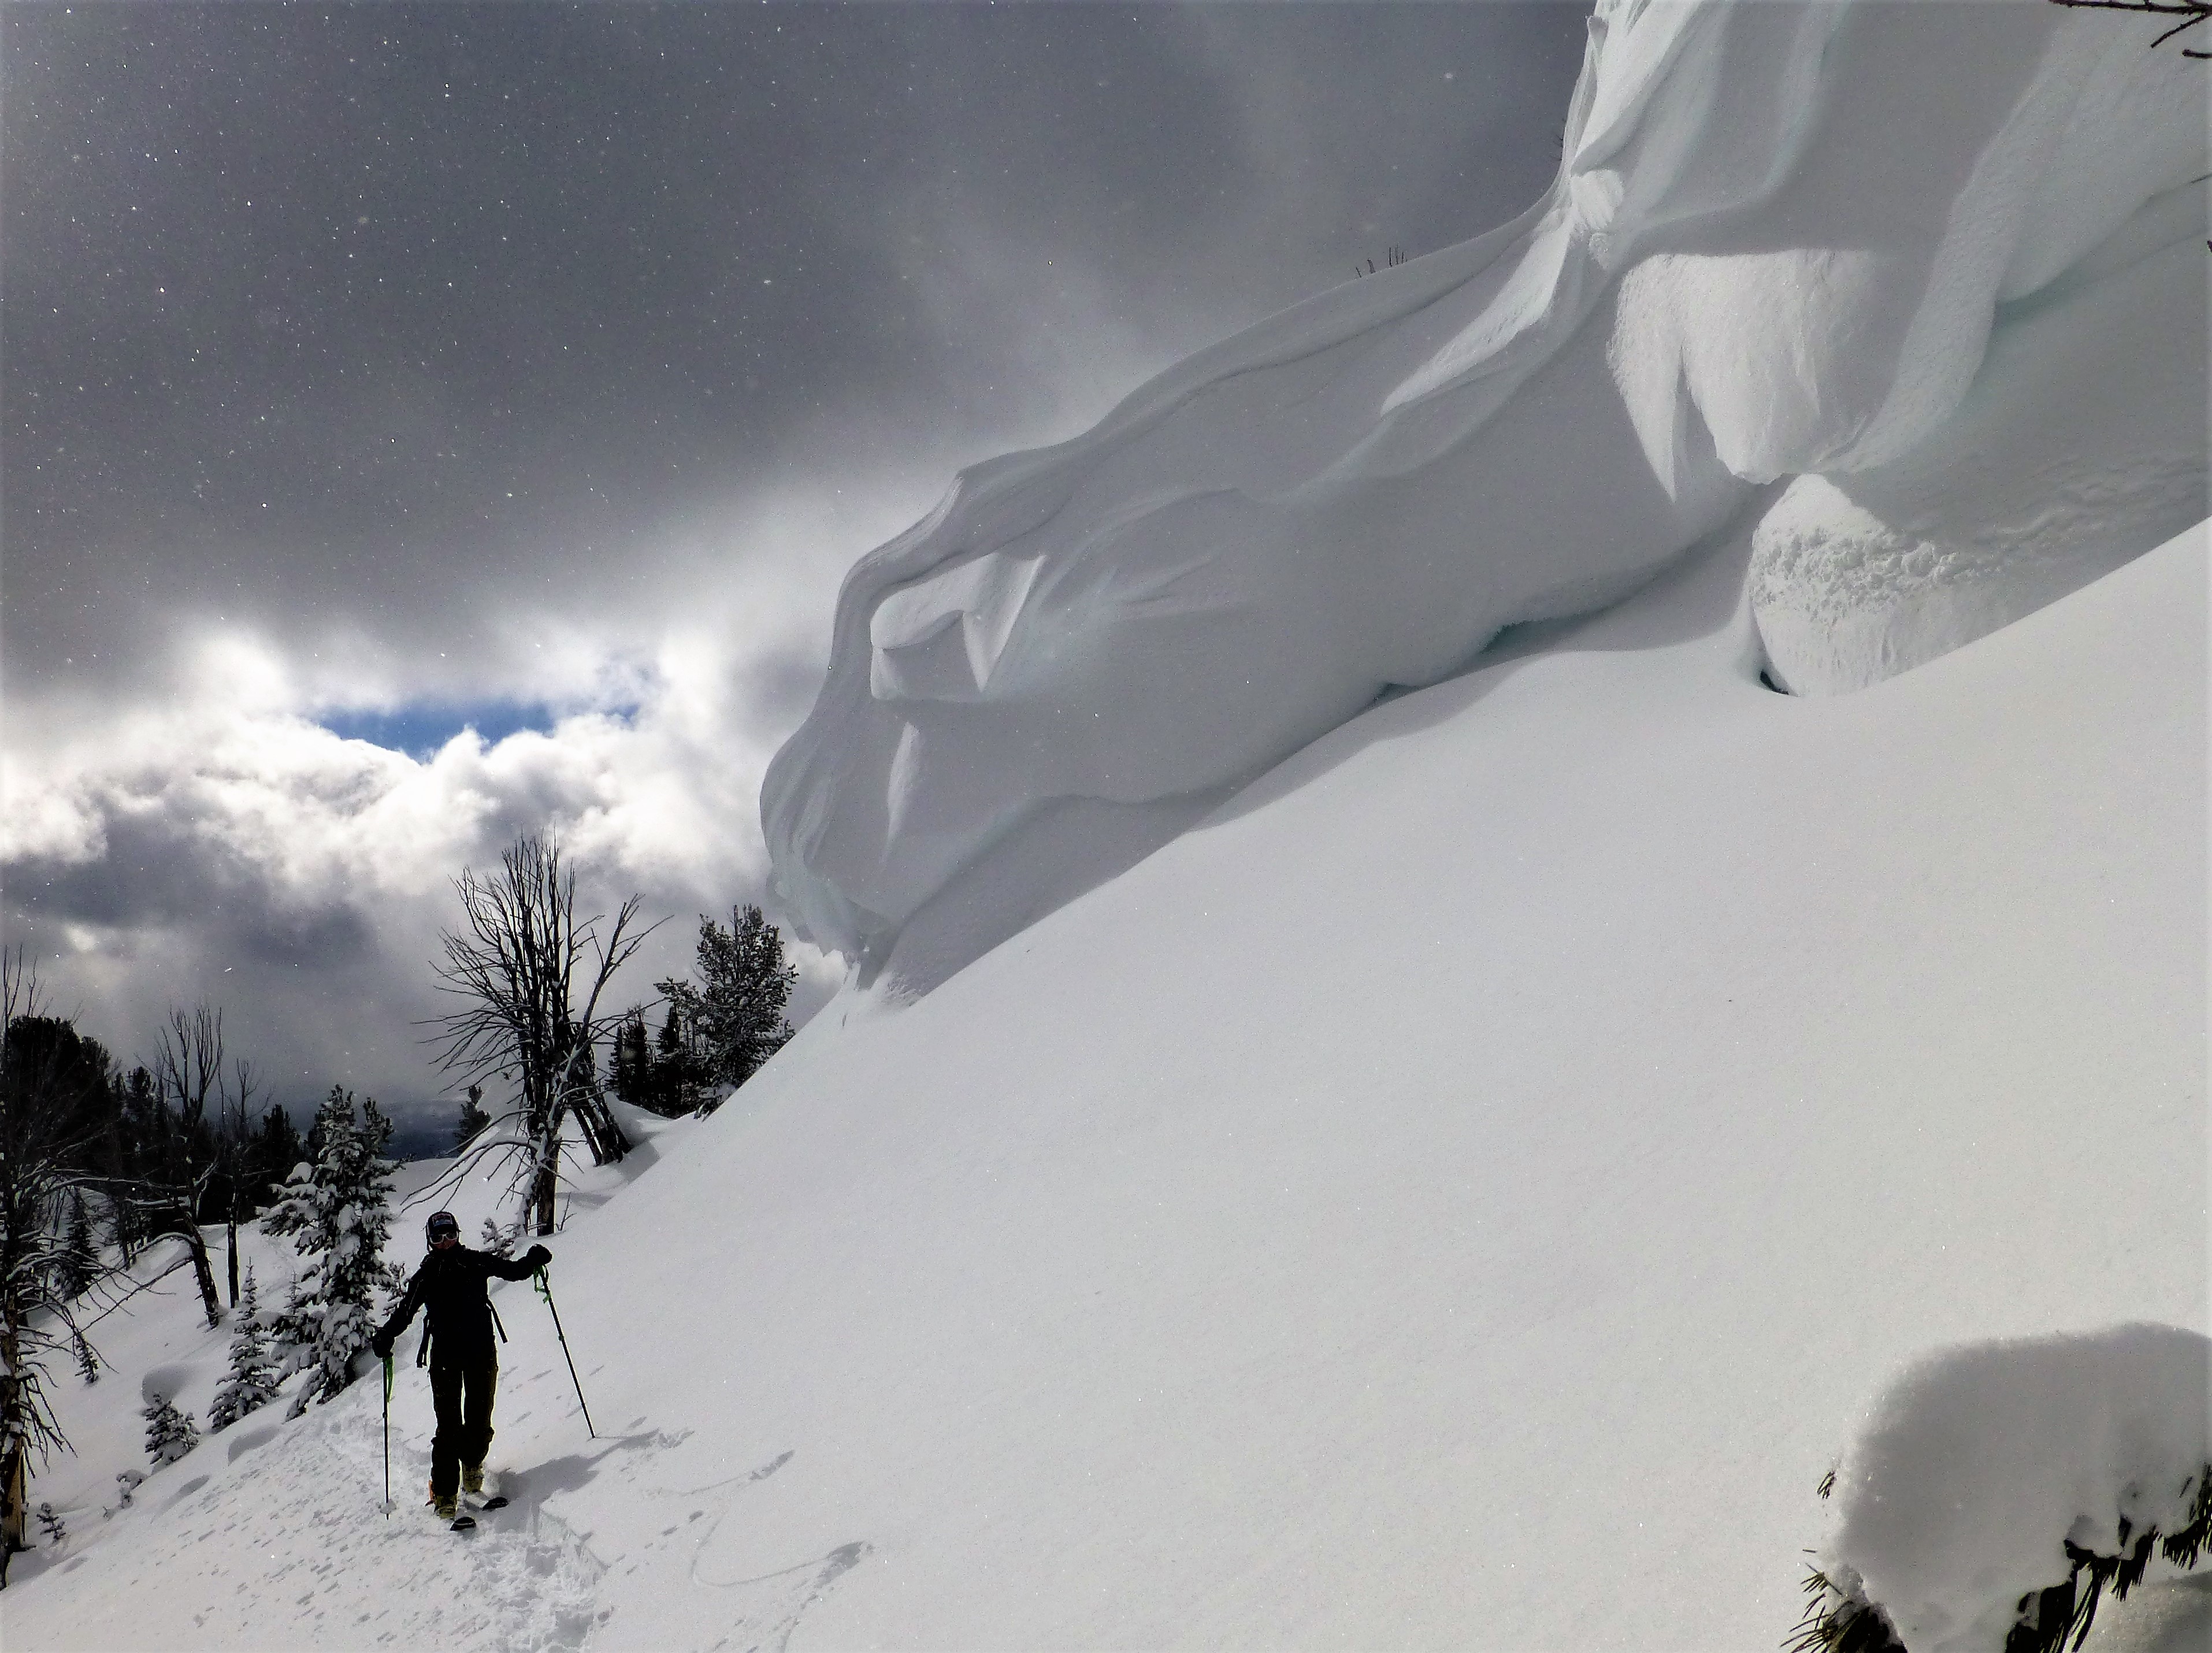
{"x":447,"y":1508}
{"x":473,"y":1486}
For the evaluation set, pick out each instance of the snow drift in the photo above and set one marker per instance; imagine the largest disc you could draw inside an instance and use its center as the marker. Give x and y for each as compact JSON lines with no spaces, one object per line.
{"x":1864,"y":245}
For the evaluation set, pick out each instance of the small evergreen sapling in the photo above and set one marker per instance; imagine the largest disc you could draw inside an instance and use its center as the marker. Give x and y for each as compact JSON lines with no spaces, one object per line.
{"x":50,"y":1525}
{"x":169,"y":1433}
{"x":254,"y":1376}
{"x":338,"y":1213}
{"x":88,"y":1359}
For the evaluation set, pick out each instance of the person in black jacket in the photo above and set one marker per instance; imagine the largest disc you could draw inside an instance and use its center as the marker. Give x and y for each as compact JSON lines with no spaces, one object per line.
{"x":449,"y":1289}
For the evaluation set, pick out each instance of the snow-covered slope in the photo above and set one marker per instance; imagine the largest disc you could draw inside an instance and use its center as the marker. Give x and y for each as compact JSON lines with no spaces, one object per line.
{"x":1941,"y":263}
{"x":1463,"y":1194}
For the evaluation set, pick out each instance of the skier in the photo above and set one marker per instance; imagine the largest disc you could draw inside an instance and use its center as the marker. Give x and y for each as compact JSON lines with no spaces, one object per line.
{"x":457,"y":1345}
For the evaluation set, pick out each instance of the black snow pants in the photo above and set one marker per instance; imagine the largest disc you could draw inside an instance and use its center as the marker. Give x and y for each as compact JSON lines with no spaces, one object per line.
{"x":463,"y":1396}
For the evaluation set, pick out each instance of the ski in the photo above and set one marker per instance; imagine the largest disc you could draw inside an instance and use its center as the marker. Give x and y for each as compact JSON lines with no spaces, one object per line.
{"x":489,"y":1503}
{"x":464,"y":1523}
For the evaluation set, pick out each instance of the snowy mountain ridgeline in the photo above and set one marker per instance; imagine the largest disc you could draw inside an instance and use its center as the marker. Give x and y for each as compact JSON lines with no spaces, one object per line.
{"x":1392,"y":1094}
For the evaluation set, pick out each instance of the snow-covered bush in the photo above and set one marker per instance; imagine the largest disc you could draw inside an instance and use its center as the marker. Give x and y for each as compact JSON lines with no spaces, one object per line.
{"x":500,"y":1239}
{"x":50,"y":1525}
{"x":169,"y":1433}
{"x":1996,"y":1491}
{"x":338,"y":1213}
{"x":254,"y":1375}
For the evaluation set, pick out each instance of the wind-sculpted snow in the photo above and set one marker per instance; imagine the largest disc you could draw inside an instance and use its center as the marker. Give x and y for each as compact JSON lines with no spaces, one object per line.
{"x":1779,"y":244}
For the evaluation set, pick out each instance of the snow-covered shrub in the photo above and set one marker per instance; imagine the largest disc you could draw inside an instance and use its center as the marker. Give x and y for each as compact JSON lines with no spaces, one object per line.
{"x":500,"y":1239}
{"x":50,"y":1525}
{"x":127,"y":1483}
{"x":88,"y":1358}
{"x":169,"y":1433}
{"x":1996,"y":1491}
{"x":338,"y":1213}
{"x":254,"y":1375}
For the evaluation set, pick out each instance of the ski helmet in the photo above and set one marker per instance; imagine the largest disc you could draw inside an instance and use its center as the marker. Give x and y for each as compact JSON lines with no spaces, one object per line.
{"x":441,"y":1223}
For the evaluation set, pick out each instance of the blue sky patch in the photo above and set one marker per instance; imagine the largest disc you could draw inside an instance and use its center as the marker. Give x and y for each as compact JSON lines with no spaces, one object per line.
{"x":419,"y":730}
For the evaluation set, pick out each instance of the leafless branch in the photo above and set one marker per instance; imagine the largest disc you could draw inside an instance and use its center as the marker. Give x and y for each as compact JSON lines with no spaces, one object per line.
{"x":2191,"y":13}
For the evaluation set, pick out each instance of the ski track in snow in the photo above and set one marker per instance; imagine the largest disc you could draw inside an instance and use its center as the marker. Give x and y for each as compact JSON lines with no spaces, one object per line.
{"x":768,"y":1606}
{"x":775,"y":1603}
{"x":523,"y":1580}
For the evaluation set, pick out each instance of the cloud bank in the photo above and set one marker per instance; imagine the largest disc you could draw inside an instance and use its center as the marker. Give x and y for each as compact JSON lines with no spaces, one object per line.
{"x":386,"y":370}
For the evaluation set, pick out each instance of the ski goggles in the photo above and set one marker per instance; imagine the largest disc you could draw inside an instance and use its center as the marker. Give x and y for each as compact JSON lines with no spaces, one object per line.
{"x":442,"y":1225}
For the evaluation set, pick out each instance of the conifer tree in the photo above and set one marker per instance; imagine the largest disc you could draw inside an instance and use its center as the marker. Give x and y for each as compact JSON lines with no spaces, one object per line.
{"x":337,"y":1210}
{"x":272,"y":1153}
{"x":254,"y":1375}
{"x":720,"y":1028}
{"x":169,"y":1433}
{"x":77,"y":1264}
{"x":630,"y":1075}
{"x":473,"y":1119}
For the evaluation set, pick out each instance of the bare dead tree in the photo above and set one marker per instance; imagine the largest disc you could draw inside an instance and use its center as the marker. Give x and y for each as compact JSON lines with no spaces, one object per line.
{"x":2191,"y":13}
{"x":531,"y":977}
{"x":233,"y":1148}
{"x":188,"y":1072}
{"x":47,"y":1136}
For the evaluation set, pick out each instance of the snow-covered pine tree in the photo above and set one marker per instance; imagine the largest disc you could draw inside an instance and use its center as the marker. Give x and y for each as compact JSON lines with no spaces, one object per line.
{"x":338,"y":1213}
{"x":50,"y":1525}
{"x":254,"y":1373}
{"x":88,"y":1359}
{"x":169,"y":1433}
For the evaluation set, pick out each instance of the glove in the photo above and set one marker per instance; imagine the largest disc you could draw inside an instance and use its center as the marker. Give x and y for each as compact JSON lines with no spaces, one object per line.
{"x":382,"y":1345}
{"x":538,"y":1256}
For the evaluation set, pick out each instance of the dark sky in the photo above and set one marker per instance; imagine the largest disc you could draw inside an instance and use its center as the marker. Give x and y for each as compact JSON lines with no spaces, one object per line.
{"x":386,"y":367}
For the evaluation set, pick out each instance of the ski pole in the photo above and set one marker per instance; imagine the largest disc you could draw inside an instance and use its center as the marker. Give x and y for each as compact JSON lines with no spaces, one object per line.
{"x":545,"y":1291}
{"x":387,"y":1438}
